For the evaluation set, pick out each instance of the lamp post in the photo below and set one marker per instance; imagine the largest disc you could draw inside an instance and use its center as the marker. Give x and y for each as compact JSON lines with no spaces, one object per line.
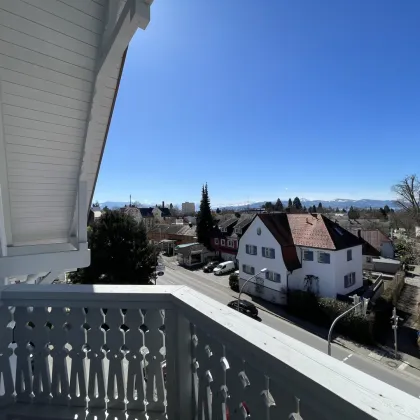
{"x":242,"y":288}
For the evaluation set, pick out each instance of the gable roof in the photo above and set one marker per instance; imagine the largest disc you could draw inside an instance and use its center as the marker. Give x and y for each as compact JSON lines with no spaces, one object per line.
{"x":309,"y":230}
{"x":146,"y":211}
{"x":229,"y":222}
{"x":278,"y":225}
{"x":373,"y":236}
{"x":165,"y":211}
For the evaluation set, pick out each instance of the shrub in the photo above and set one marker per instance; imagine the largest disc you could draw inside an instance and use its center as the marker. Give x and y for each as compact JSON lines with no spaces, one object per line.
{"x":323,"y":311}
{"x":234,"y":282}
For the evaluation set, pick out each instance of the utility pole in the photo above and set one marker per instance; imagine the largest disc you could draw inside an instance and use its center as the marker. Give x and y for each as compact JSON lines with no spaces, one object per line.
{"x":394,"y":319}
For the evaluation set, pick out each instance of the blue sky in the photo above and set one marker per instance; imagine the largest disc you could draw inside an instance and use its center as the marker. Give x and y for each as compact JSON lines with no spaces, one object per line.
{"x":316,"y":99}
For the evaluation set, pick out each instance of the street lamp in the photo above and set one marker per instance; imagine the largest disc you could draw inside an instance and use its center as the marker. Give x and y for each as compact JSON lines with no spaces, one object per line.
{"x":263,"y":270}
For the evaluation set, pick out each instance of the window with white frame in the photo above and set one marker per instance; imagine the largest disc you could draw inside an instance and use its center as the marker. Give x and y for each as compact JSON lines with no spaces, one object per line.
{"x":248,"y":269}
{"x":268,"y":252}
{"x":235,"y":244}
{"x":251,"y":249}
{"x":222,"y":242}
{"x":230,"y":243}
{"x":308,"y":255}
{"x":323,"y":257}
{"x":349,"y":280}
{"x":272,"y":276}
{"x":349,"y":255}
{"x":238,"y":230}
{"x":216,"y":241}
{"x":368,"y":259}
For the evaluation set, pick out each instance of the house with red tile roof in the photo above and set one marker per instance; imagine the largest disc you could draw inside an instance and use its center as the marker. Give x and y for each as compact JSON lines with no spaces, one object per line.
{"x":299,"y":251}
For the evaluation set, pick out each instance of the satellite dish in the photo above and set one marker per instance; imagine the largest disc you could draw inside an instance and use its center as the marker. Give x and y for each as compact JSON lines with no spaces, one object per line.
{"x":160,"y":273}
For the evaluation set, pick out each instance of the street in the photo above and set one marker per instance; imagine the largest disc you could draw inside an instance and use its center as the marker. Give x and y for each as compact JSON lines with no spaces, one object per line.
{"x":390,"y":371}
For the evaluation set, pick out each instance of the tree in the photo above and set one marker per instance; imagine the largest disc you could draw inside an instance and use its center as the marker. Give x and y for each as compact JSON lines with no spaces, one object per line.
{"x":353,"y":213}
{"x":337,"y":210}
{"x":218,"y":211}
{"x":319,"y":208}
{"x":204,"y":219}
{"x":268,"y":206}
{"x":171,"y":206}
{"x":120,"y":252}
{"x":290,"y":203}
{"x":96,"y":204}
{"x":408,"y":195}
{"x":386,"y":209}
{"x":279,"y":205}
{"x":297,"y":204}
{"x":237,"y":214}
{"x":305,"y":210}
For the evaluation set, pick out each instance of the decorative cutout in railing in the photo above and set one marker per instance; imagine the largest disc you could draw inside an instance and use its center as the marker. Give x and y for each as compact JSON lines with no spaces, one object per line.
{"x":83,"y":357}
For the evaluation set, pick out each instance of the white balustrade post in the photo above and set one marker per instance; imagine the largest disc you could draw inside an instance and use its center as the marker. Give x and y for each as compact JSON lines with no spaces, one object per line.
{"x":179,"y":384}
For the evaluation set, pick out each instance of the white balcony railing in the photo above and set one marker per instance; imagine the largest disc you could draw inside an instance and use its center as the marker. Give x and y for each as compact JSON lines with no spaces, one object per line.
{"x":170,"y":352}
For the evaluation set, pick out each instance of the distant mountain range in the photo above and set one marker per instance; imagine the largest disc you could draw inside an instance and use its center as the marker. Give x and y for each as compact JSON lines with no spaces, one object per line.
{"x":341,"y":203}
{"x":338,"y":202}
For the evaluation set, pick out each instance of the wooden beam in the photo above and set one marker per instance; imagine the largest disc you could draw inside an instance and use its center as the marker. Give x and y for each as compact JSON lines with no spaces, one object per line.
{"x":46,"y":262}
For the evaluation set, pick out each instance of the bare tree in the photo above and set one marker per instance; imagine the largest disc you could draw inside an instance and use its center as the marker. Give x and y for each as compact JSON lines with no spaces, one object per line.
{"x":408,"y":195}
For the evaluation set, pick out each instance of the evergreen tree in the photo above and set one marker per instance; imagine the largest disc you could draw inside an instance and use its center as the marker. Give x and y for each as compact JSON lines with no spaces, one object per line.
{"x":268,"y":206}
{"x":171,"y":206}
{"x":120,"y":252}
{"x":290,"y":203}
{"x":319,"y":208}
{"x":218,"y":211}
{"x":279,"y":205}
{"x":205,"y":219}
{"x":386,"y":209}
{"x":353,"y":213}
{"x":337,"y":210}
{"x":313,"y":209}
{"x":297,"y":204}
{"x":305,"y":210}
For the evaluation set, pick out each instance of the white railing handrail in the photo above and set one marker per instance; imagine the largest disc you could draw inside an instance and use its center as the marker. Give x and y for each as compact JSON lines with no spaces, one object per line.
{"x":342,"y":390}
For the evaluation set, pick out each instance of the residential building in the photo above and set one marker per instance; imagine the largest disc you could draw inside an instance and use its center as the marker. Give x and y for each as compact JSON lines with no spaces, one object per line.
{"x":300,"y":251}
{"x":193,"y":254}
{"x":161,"y":212}
{"x":226,"y":235}
{"x":181,"y":234}
{"x":188,"y":208}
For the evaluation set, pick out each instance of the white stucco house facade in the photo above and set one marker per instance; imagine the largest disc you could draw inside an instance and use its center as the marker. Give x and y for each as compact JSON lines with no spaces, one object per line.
{"x":299,"y":251}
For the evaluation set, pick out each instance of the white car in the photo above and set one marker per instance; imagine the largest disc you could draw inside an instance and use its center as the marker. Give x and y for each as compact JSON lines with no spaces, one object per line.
{"x":224,"y":267}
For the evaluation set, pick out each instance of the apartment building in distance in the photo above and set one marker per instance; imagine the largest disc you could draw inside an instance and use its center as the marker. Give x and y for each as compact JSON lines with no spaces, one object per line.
{"x":188,"y":208}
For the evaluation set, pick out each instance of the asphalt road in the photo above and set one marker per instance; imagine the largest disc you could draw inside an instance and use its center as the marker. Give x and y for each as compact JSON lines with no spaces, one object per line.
{"x":218,"y":289}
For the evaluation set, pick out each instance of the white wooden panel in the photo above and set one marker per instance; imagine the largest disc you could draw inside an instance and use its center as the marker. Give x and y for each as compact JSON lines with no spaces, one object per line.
{"x":46,"y":211}
{"x":20,"y":157}
{"x":42,"y":182}
{"x":28,"y":133}
{"x":44,"y":97}
{"x":48,"y":169}
{"x":42,"y":126}
{"x":34,"y":188}
{"x":25,"y":54}
{"x":40,"y":170}
{"x":49,"y":20}
{"x":79,"y":18}
{"x":44,"y":33}
{"x":21,"y":39}
{"x":38,"y":105}
{"x":44,"y":144}
{"x":41,"y":237}
{"x":17,"y":194}
{"x":39,"y":151}
{"x":91,"y":8}
{"x":46,"y":86}
{"x":44,"y":73}
{"x":15,"y":111}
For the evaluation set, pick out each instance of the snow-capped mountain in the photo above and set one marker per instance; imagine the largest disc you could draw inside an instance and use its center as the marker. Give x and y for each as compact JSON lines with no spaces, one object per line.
{"x":340,"y":203}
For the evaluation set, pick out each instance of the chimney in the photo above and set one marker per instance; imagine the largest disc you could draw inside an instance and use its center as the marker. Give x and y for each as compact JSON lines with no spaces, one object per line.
{"x":163,"y":204}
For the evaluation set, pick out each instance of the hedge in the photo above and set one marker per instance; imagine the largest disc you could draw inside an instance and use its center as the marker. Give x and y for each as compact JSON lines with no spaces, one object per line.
{"x":234,"y":282}
{"x":323,"y":311}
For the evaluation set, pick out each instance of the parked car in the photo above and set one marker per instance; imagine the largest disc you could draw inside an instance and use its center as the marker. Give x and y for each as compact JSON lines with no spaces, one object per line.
{"x":245,"y":307}
{"x":224,"y":267}
{"x":210,"y":266}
